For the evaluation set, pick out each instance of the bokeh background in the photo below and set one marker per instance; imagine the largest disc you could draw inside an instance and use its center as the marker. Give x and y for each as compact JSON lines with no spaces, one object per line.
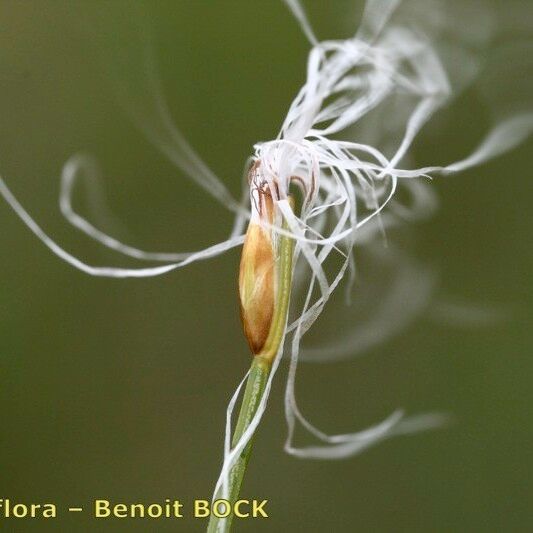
{"x":117,"y":388}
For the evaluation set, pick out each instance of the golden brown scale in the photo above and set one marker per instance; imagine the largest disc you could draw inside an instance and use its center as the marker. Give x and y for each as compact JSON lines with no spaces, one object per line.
{"x":256,"y":278}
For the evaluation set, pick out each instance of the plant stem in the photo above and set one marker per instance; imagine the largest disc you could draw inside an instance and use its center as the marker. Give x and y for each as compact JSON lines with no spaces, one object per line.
{"x":253,"y":393}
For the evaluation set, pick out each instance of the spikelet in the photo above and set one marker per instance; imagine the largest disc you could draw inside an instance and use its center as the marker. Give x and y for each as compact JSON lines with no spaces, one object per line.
{"x":257,"y":276}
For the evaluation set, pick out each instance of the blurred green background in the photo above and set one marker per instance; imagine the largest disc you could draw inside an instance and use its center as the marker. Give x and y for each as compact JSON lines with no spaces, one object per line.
{"x":117,"y":388}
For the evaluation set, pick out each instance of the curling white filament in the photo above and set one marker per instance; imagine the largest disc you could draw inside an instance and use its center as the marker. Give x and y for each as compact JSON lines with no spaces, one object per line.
{"x":345,"y":184}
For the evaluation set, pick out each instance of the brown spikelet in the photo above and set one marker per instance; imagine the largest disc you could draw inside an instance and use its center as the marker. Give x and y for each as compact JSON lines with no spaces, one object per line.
{"x":256,"y":281}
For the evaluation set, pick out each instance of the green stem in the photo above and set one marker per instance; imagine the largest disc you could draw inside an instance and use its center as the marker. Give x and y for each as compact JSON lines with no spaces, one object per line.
{"x":258,"y":376}
{"x":253,"y":393}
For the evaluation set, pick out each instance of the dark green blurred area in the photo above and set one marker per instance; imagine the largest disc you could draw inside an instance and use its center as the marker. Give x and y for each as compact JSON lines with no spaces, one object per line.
{"x":118,"y":388}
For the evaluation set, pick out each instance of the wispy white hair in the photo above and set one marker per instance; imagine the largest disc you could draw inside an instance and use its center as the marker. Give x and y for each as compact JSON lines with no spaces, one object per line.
{"x":346,"y":143}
